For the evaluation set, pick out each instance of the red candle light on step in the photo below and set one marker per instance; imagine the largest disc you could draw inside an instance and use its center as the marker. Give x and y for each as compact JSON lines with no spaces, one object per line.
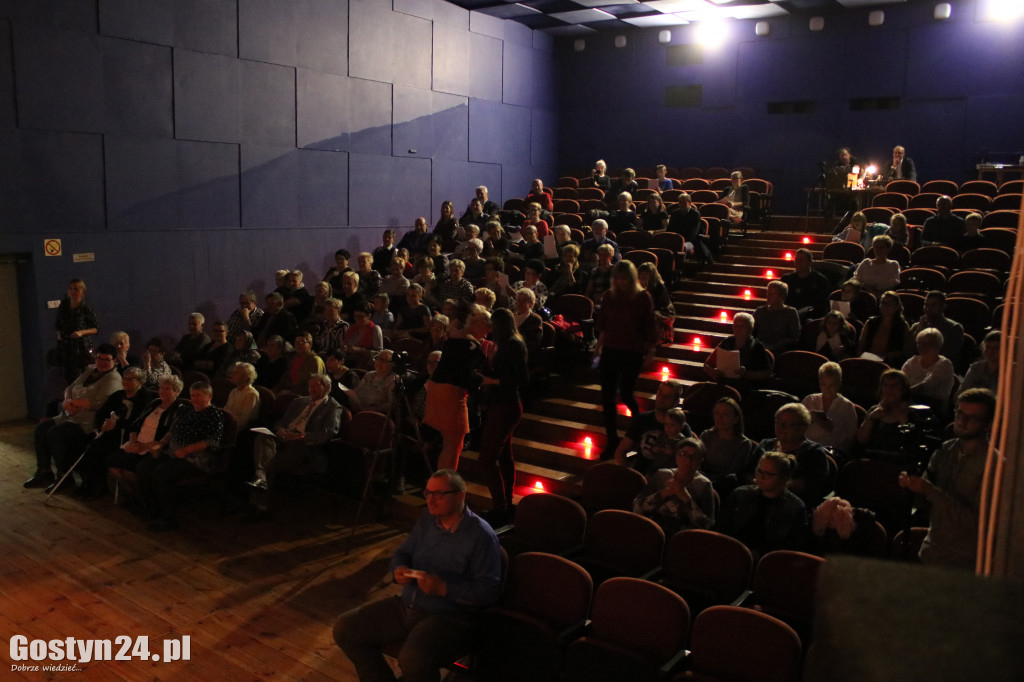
{"x":724,"y":317}
{"x":665,"y":375}
{"x":696,"y":343}
{"x":538,"y":486}
{"x":746,"y":294}
{"x":769,"y":274}
{"x":588,"y":444}
{"x":807,"y":240}
{"x":788,"y":255}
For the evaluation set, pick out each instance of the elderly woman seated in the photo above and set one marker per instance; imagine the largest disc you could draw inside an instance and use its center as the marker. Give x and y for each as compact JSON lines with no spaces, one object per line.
{"x":184,"y":452}
{"x":881,"y":428}
{"x":681,"y":498}
{"x":148,"y":428}
{"x":931,"y":375}
{"x":59,"y":441}
{"x":154,"y":364}
{"x":243,"y":401}
{"x":121,"y":409}
{"x":833,"y":416}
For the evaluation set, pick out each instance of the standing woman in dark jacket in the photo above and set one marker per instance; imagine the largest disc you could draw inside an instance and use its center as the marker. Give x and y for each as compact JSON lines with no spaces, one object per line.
{"x":449,"y":386}
{"x":625,"y":327}
{"x":76,"y":325}
{"x":502,"y":411}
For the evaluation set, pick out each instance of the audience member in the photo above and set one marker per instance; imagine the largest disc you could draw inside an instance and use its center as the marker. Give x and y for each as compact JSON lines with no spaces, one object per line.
{"x":76,"y":325}
{"x":303,"y":364}
{"x":340,"y":267}
{"x":529,"y":248}
{"x":727,"y":450}
{"x":681,"y":498}
{"x":808,"y":289}
{"x":276,"y":321}
{"x":501,"y":379}
{"x":898,"y":232}
{"x":149,"y":428}
{"x":567,"y":277}
{"x":273,"y":364}
{"x":985,"y":372}
{"x":901,"y":168}
{"x":598,"y":237}
{"x":472,"y":262}
{"x":661,"y":181}
{"x":624,"y":218}
{"x":528,"y":323}
{"x":353,"y":297}
{"x":383,"y":254}
{"x":952,"y":484}
{"x":945,"y":227}
{"x":532,"y":274}
{"x":242,"y":350}
{"x":153,"y":363}
{"x":321,"y":292}
{"x":885,"y":334}
{"x":655,"y":217}
{"x":686,"y":221}
{"x":185,"y":452}
{"x":191,"y":345}
{"x":879,"y":274}
{"x":59,"y":441}
{"x":299,"y":439}
{"x":810,"y":477}
{"x":363,"y":334}
{"x":935,"y":316}
{"x":971,"y":238}
{"x":646,"y":429}
{"x":456,"y":287}
{"x":395,"y":284}
{"x":599,"y":177}
{"x":626,"y":183}
{"x":342,"y":377}
{"x":489,"y":207}
{"x":484,"y":298}
{"x":776,"y":324}
{"x":626,"y":335}
{"x":599,"y":280}
{"x":833,"y":416}
{"x":856,"y":232}
{"x":534,"y":220}
{"x":450,"y":570}
{"x":837,"y":339}
{"x":475,"y":216}
{"x":416,"y":239}
{"x":414,"y":318}
{"x":767,"y":516}
{"x":243,"y":401}
{"x":755,"y":362}
{"x":736,"y":197}
{"x":211,"y":358}
{"x":330,"y":334}
{"x":366,"y":278}
{"x":880,"y":430}
{"x":664,"y":309}
{"x":298,"y":301}
{"x":931,"y":374}
{"x":538,"y":196}
{"x":122,"y":343}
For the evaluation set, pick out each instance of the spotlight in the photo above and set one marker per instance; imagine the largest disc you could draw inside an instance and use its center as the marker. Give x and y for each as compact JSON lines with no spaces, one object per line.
{"x":711,"y":33}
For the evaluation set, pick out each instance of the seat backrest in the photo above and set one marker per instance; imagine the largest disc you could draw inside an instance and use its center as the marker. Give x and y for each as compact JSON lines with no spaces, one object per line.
{"x":743,"y":645}
{"x":862,"y":373}
{"x":799,"y":366}
{"x":785,"y":582}
{"x":719,"y":211}
{"x":975,"y":202}
{"x":759,"y":185}
{"x":221,"y":389}
{"x":908,"y":187}
{"x":850,"y":252}
{"x":973,"y":314}
{"x":590,"y":193}
{"x":986,"y":259}
{"x":691,"y":172}
{"x":1000,"y":238}
{"x":640,"y":256}
{"x":567,"y":181}
{"x":547,"y":522}
{"x":926,"y":199}
{"x":1001,"y":218}
{"x":917,"y":215}
{"x":610,"y":486}
{"x":986,"y":187}
{"x":230,"y":427}
{"x":371,"y":430}
{"x":573,"y":307}
{"x":891,"y":199}
{"x":935,"y":255}
{"x":629,"y":543}
{"x":633,"y":239}
{"x":879,"y":214}
{"x":268,"y":404}
{"x":548,"y":587}
{"x":566,"y":206}
{"x":668,"y":240}
{"x":913,"y":304}
{"x":975,"y":281}
{"x":641,"y":617}
{"x":1007,"y":202}
{"x":707,"y":561}
{"x":940,"y":187}
{"x":703,"y":196}
{"x":922,"y":278}
{"x":716,"y":172}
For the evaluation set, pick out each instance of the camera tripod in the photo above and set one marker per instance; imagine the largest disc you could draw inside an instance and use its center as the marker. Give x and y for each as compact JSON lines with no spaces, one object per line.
{"x":399,"y":413}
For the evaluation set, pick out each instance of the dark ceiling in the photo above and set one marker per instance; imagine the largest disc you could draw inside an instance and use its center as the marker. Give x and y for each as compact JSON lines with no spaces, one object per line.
{"x":580,"y":17}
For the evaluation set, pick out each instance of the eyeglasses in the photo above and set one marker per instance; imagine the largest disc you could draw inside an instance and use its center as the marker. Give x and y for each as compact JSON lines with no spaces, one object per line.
{"x":439,"y":493}
{"x":765,"y":474}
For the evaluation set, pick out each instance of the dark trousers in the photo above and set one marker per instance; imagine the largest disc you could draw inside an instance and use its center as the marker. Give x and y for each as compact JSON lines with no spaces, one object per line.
{"x":619,"y":370}
{"x":59,"y":443}
{"x":93,"y":468}
{"x":429,"y":640}
{"x":158,"y":483}
{"x":499,"y":468}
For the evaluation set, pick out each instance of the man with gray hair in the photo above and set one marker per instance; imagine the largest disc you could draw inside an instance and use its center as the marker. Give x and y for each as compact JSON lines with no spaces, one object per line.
{"x":776,"y":324}
{"x":246,"y":316}
{"x":194,"y":343}
{"x":598,"y":236}
{"x":810,"y":478}
{"x":299,"y":436}
{"x":450,"y":570}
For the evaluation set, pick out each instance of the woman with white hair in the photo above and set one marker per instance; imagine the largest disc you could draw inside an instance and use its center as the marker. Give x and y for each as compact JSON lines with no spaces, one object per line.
{"x":931,"y":375}
{"x":243,"y":400}
{"x":147,"y":429}
{"x":833,"y":416}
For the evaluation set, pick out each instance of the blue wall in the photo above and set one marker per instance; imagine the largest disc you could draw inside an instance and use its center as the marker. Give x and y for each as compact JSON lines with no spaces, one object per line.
{"x":961,"y":85}
{"x":196,"y":146}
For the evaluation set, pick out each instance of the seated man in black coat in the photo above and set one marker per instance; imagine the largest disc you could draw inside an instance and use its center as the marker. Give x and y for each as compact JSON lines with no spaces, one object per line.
{"x":808,"y":289}
{"x":685,"y":221}
{"x":810,"y":478}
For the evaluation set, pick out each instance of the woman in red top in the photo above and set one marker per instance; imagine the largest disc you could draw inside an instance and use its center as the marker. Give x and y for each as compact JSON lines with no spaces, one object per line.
{"x":537,"y":195}
{"x":626,"y":335}
{"x":533,"y":218}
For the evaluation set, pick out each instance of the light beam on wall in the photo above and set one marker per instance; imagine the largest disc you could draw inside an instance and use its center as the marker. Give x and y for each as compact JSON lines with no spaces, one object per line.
{"x":999,"y":10}
{"x":711,"y":33}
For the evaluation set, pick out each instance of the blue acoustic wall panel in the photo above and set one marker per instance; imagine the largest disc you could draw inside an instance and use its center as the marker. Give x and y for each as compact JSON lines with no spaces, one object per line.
{"x":498,"y":133}
{"x":150,"y":21}
{"x":267,"y":104}
{"x":993,"y":123}
{"x":322,"y":32}
{"x":209,"y":184}
{"x":343,"y":114}
{"x":389,"y":46}
{"x":207,"y":26}
{"x":486,"y":25}
{"x":141,"y":183}
{"x":779,"y":71}
{"x":456,"y":181}
{"x":269,"y":182}
{"x":517,"y":74}
{"x":433,"y":124}
{"x":485,"y":57}
{"x":51,"y":182}
{"x":267,"y":31}
{"x":424,"y":9}
{"x":74,"y":15}
{"x":543,"y":139}
{"x":517,"y":33}
{"x":138,"y":88}
{"x":449,"y":14}
{"x":323,"y":188}
{"x":206,"y":97}
{"x":59,"y":77}
{"x":7,"y":115}
{"x":406,"y":194}
{"x":309,"y":33}
{"x":451,"y":59}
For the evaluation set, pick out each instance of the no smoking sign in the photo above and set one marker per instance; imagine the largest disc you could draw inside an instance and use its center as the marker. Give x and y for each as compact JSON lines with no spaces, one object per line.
{"x":52,"y":247}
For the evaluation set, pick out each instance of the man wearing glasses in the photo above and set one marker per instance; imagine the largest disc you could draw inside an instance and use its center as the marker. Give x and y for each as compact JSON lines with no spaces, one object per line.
{"x":450,"y":569}
{"x":952,"y":484}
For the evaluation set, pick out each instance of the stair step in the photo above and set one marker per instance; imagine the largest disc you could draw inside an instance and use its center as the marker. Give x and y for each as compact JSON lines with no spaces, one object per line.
{"x":562,"y":432}
{"x":554,"y":480}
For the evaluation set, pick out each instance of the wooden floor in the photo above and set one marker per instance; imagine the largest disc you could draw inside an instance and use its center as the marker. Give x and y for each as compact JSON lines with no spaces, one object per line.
{"x":257,"y":601}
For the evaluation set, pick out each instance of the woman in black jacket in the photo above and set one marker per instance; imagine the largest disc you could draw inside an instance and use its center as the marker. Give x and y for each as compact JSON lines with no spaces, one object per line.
{"x":502,"y":379}
{"x":153,"y":424}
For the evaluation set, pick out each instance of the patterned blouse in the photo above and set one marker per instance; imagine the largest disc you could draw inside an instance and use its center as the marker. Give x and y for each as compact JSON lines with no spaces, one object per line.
{"x":192,"y":427}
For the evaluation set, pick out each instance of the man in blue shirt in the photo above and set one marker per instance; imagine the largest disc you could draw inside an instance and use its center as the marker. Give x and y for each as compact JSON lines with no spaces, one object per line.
{"x":450,"y":569}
